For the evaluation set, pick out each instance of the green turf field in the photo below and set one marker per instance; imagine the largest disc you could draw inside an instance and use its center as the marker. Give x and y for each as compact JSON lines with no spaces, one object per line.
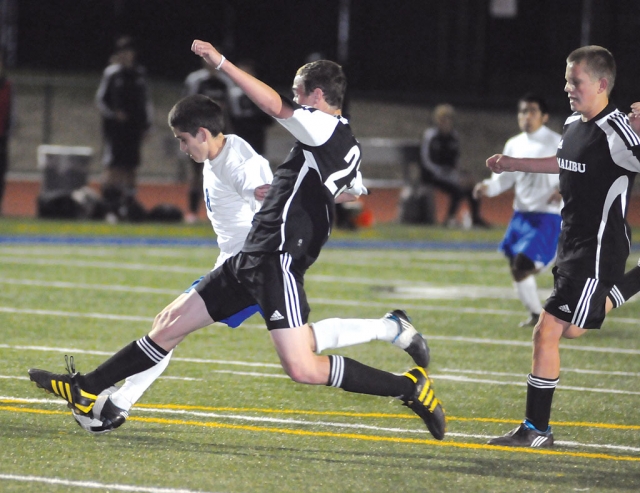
{"x":224,"y":418}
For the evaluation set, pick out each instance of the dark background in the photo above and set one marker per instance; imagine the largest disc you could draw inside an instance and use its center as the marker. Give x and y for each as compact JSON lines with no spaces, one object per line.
{"x":399,"y":50}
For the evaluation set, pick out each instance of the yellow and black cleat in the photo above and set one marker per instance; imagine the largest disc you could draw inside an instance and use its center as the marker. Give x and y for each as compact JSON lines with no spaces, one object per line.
{"x":424,"y":402}
{"x":65,"y":386}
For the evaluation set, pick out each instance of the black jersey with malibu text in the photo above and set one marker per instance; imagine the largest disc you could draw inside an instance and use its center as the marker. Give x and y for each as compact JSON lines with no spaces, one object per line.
{"x":298,"y":211}
{"x":598,"y":161}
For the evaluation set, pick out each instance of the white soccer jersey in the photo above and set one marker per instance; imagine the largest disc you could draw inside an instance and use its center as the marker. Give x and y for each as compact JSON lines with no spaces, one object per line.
{"x":229,"y":182}
{"x":532,"y":190}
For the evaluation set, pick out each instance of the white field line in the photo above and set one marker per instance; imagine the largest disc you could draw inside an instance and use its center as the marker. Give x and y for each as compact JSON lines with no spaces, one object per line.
{"x":391,"y":288}
{"x":318,"y":301}
{"x":444,"y":371}
{"x":97,"y":252}
{"x":310,"y":423}
{"x":563,"y":370}
{"x":186,"y":379}
{"x":193,"y":270}
{"x":436,"y":376}
{"x":110,"y":353}
{"x":93,"y":287}
{"x":104,"y":265}
{"x":93,"y":484}
{"x":362,"y":257}
{"x":460,"y":339}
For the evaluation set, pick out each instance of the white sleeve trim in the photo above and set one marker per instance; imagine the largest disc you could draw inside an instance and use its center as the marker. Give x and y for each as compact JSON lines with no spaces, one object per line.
{"x":312,"y":128}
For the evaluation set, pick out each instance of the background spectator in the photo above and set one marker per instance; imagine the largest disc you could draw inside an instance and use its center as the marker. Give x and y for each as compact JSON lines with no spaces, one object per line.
{"x":439,"y":156}
{"x":124,"y":103}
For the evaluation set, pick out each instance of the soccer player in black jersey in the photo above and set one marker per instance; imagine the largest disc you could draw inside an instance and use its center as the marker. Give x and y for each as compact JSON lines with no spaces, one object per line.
{"x":597,"y":159}
{"x":286,"y":236}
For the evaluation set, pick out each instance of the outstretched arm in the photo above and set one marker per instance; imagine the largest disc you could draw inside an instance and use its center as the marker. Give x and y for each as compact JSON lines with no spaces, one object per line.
{"x":499,"y":163}
{"x":266,"y":98}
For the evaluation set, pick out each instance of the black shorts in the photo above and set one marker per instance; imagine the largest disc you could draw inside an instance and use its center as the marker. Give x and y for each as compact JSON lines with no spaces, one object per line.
{"x":122,"y":147}
{"x":580,"y":302}
{"x":271,"y":280}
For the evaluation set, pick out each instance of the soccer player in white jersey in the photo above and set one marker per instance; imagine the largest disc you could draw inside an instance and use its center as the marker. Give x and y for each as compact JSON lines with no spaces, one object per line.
{"x":531,"y":239}
{"x":235,"y":182}
{"x":597,"y":160}
{"x":285,"y":239}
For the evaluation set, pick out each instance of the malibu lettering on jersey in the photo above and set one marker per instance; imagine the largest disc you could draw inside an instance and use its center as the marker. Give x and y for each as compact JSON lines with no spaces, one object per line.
{"x":572,"y":165}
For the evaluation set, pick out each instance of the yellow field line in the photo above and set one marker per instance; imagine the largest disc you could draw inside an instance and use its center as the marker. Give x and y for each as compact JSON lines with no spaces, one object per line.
{"x":352,"y":436}
{"x":579,"y":424}
{"x":377,"y":415}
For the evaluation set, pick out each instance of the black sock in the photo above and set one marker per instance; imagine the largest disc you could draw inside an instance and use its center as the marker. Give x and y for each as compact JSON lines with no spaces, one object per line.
{"x":134,"y":358}
{"x":539,"y":397}
{"x":352,"y":376}
{"x":195,"y":197}
{"x":626,"y":288}
{"x":112,"y":197}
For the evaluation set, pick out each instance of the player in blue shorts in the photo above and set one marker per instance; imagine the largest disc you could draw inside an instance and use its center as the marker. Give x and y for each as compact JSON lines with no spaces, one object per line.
{"x":531,"y":239}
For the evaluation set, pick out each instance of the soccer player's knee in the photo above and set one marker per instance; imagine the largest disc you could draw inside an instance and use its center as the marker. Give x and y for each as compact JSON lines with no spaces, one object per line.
{"x":162,"y":319}
{"x":522,"y":267}
{"x":544,"y":336}
{"x":301,"y":372}
{"x":522,"y":263}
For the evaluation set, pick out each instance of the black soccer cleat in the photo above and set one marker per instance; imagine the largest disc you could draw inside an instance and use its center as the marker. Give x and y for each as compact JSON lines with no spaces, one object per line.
{"x":425,"y":404}
{"x":409,"y":339}
{"x":525,"y":435}
{"x":65,"y":386}
{"x":105,"y":417}
{"x":530,"y":322}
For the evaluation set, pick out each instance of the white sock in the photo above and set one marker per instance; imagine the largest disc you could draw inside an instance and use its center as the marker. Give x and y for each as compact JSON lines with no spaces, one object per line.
{"x":334,"y":333}
{"x":527,"y":290}
{"x":136,"y":385}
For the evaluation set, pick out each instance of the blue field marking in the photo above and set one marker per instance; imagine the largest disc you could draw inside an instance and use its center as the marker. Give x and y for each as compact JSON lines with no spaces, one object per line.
{"x":205,"y":242}
{"x":411,"y":245}
{"x":105,"y":241}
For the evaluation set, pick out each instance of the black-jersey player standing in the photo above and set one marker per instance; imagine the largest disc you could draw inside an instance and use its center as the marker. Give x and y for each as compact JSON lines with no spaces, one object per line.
{"x":597,"y":158}
{"x":286,"y":236}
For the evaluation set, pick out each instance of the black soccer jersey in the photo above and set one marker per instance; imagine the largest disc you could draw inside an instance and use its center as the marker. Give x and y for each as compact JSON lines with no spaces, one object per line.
{"x":598,"y":161}
{"x":297,"y":214}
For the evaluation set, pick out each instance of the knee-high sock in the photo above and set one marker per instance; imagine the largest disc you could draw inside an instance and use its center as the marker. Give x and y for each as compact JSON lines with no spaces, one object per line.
{"x":332,"y":333}
{"x":195,"y":197}
{"x":527,"y":290}
{"x":539,"y":396}
{"x":136,"y":385}
{"x":134,"y":358}
{"x":353,"y":376}
{"x":626,"y":288}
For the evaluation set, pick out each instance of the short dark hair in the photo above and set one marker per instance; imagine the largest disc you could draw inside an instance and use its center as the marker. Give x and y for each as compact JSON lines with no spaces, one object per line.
{"x":194,"y":112}
{"x":531,"y":97}
{"x":325,"y":75}
{"x":600,"y":63}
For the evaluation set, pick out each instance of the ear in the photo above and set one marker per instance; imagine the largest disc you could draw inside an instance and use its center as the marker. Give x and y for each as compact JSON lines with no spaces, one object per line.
{"x":545,"y":118}
{"x":202,"y":134}
{"x":604,"y":84}
{"x":318,"y":95}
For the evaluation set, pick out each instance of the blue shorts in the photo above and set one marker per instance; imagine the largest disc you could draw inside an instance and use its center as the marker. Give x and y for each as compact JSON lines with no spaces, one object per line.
{"x":237,"y":318}
{"x":534,"y":234}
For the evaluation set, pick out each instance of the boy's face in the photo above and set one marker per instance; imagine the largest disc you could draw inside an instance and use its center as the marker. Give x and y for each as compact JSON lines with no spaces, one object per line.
{"x":195,"y":147}
{"x":530,"y":118}
{"x":444,"y":122}
{"x":584,"y":91}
